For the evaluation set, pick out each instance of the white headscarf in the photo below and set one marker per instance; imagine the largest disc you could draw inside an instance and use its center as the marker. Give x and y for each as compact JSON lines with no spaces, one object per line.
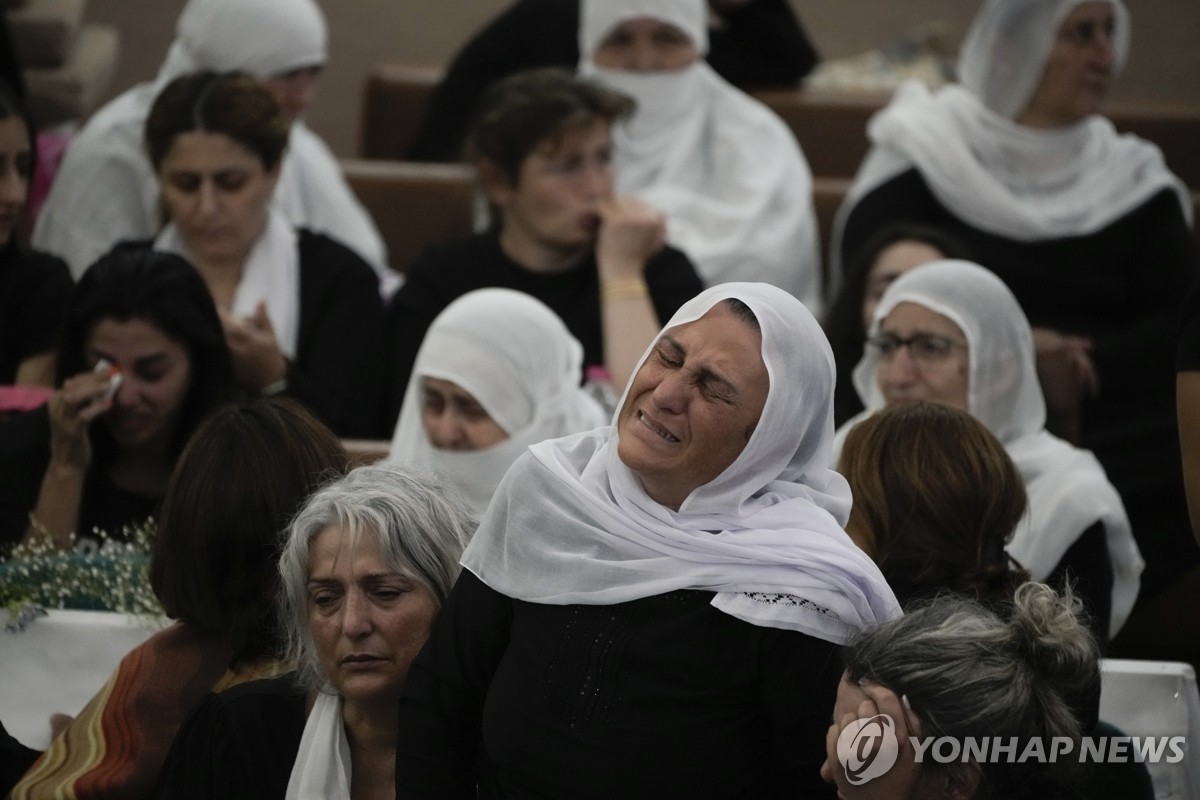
{"x":517,"y":358}
{"x":994,"y":174}
{"x":323,"y":767}
{"x":106,"y":190}
{"x":262,"y":38}
{"x":271,"y":274}
{"x":726,"y":171}
{"x":571,"y":523}
{"x":1067,"y":488}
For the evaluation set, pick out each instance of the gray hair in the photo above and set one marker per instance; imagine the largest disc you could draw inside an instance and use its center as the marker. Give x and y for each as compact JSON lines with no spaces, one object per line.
{"x":966,"y":671}
{"x":421,"y":535}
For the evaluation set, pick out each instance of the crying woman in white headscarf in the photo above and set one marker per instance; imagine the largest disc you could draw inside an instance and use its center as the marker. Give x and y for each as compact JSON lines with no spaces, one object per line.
{"x":666,"y":594}
{"x":497,"y":372}
{"x":726,"y":171}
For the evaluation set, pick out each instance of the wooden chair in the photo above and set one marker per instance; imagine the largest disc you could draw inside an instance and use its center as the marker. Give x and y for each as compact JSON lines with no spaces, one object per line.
{"x":414,"y":204}
{"x":830,"y":125}
{"x":393,"y":105}
{"x":366,"y":451}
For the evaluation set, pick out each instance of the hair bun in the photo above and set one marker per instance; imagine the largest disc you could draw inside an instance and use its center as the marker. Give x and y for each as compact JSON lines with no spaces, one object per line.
{"x":1050,"y":632}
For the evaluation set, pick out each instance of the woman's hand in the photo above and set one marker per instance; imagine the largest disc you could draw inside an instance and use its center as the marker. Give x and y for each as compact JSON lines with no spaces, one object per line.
{"x":257,"y":360}
{"x":862,"y":702}
{"x":72,"y":408}
{"x":631,"y":232}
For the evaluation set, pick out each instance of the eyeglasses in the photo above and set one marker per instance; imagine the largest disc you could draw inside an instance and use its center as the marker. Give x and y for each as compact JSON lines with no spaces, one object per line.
{"x":925,"y":348}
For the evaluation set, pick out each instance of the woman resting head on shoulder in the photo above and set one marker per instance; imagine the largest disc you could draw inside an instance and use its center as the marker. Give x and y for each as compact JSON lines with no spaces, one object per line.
{"x":936,"y":500}
{"x":497,"y":372}
{"x":664,"y":580}
{"x":952,"y":668}
{"x":141,"y":362}
{"x":214,"y":569}
{"x":368,"y":561}
{"x":301,"y":312}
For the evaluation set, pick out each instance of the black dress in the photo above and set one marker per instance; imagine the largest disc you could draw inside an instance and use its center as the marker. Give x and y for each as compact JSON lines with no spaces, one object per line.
{"x":241,"y":743}
{"x":1121,"y":287}
{"x":445,"y":271}
{"x":35,"y":289}
{"x":663,"y":697}
{"x":760,"y":43}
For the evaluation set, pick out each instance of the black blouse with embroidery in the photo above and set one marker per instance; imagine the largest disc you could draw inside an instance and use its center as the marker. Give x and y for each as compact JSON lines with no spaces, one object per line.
{"x":660,"y":697}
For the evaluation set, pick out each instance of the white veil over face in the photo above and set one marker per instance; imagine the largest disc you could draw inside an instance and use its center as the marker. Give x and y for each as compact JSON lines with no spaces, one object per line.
{"x":571,"y":523}
{"x":724,"y":169}
{"x":1006,"y":48}
{"x":517,"y":358}
{"x":1067,"y":488}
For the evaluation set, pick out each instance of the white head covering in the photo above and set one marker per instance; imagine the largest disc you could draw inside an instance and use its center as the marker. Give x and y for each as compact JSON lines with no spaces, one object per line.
{"x":1006,"y":48}
{"x":106,"y":190}
{"x":726,"y":171}
{"x":570,"y":523}
{"x":517,"y":358}
{"x":996,"y":175}
{"x":598,"y":19}
{"x":262,"y":37}
{"x":1067,"y":488}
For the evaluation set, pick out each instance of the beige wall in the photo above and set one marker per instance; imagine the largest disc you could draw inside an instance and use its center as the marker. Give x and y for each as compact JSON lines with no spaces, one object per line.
{"x":1164,"y":65}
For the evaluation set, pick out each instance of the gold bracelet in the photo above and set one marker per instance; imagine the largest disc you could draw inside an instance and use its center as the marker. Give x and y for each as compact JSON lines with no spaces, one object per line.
{"x":630,"y":289}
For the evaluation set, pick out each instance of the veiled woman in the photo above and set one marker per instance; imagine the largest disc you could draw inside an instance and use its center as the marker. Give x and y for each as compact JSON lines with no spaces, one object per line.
{"x":498,"y":371}
{"x":726,"y":171}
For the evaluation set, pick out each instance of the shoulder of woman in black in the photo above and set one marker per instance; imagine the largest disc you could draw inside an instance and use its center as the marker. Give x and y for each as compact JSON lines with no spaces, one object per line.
{"x":239,"y":743}
{"x":24,"y":455}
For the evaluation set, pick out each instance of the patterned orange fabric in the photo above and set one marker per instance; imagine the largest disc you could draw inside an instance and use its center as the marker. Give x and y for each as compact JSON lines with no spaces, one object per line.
{"x":117,"y":745}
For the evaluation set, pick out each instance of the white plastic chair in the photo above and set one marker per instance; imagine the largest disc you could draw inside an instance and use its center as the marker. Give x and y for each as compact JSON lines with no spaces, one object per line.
{"x":1156,"y":698}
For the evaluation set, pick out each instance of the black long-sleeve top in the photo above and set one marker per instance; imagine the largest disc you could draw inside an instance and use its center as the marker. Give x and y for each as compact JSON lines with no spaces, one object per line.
{"x":662,"y":697}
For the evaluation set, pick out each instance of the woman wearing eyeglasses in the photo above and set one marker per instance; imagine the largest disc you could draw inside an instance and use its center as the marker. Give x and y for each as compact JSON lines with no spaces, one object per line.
{"x":951,"y":332}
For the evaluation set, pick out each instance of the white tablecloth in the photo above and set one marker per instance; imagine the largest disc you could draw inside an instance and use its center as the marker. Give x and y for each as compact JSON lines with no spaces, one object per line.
{"x":58,"y":663}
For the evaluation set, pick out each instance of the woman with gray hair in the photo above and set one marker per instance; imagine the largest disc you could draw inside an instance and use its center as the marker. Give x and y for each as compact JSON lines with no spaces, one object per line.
{"x":952,"y":668}
{"x":368,"y":562}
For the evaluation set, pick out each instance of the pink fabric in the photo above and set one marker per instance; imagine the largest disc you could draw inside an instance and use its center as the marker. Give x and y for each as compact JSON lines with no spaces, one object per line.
{"x":23,"y":398}
{"x":51,"y":147}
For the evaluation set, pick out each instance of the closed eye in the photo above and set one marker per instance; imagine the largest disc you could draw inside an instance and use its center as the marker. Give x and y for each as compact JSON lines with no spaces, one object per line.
{"x":668,"y":360}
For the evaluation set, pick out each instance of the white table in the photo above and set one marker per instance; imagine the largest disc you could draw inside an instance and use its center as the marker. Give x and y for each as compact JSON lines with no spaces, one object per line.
{"x":58,"y":663}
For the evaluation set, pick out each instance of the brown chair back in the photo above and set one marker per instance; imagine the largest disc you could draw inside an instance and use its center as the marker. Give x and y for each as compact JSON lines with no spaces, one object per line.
{"x":413,"y":204}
